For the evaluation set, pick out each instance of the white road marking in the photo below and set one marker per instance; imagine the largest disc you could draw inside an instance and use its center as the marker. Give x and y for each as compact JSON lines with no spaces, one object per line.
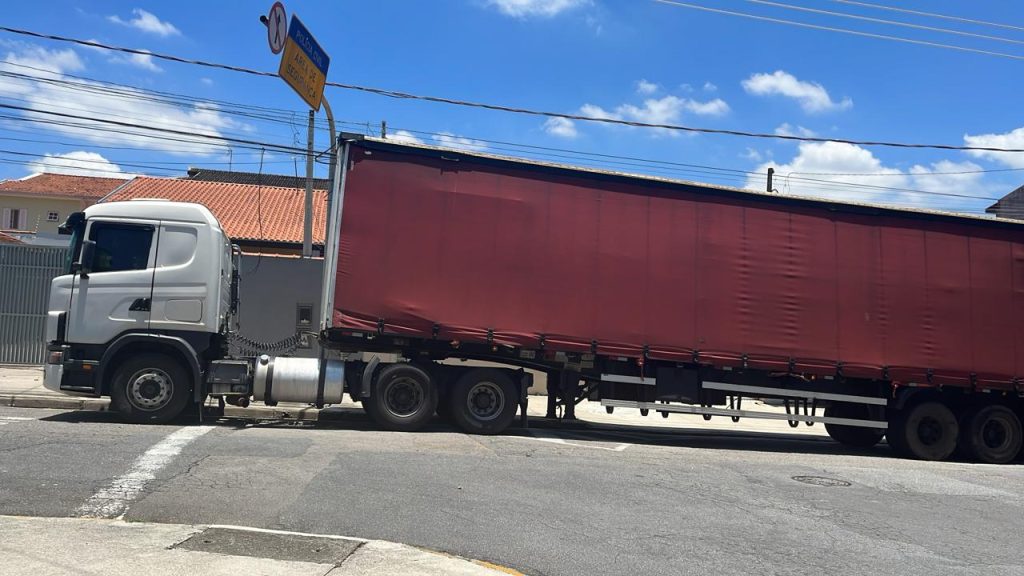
{"x":286,"y":532}
{"x":113,"y":501}
{"x":8,"y":419}
{"x":541,"y":437}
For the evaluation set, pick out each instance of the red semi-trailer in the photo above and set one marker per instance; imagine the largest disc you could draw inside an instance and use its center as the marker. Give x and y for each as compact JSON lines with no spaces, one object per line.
{"x":635,"y":291}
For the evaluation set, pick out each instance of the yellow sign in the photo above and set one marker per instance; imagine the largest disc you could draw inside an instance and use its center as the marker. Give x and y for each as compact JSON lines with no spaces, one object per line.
{"x":304,"y":64}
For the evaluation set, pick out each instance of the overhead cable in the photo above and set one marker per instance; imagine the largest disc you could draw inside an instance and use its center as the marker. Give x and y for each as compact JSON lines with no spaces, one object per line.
{"x":549,"y":114}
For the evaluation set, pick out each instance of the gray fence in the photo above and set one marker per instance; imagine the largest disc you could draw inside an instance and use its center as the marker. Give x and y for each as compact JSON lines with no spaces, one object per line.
{"x":25,"y":274}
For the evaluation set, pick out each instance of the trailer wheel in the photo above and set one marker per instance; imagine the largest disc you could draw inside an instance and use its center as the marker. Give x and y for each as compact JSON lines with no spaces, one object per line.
{"x":926,"y":431}
{"x":852,"y":436}
{"x":483,"y":401}
{"x":991,"y":434}
{"x":403,"y":398}
{"x":150,"y":388}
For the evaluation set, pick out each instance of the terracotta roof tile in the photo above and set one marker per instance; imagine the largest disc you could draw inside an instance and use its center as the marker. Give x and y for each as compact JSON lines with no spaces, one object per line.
{"x":46,"y":184}
{"x":246,"y":211}
{"x":208,"y":175}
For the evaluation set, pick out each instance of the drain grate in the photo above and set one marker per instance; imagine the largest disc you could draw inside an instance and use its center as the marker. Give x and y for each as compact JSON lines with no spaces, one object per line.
{"x":822,"y":481}
{"x":276,"y":546}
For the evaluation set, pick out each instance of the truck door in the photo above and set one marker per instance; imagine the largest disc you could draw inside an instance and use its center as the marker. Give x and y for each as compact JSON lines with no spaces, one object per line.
{"x":116,"y":295}
{"x":185,"y":274}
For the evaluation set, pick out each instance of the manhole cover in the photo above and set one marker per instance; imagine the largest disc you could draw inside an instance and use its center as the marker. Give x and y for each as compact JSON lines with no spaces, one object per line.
{"x":296,"y":547}
{"x":821,"y":481}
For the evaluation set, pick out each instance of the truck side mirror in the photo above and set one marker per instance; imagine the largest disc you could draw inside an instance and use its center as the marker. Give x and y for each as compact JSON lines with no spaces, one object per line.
{"x":85,"y":261}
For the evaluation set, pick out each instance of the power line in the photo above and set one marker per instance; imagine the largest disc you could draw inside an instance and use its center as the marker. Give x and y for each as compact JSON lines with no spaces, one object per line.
{"x":931,"y":14}
{"x":864,"y":187}
{"x":548,"y":114}
{"x":155,"y":129}
{"x":840,"y":30}
{"x":884,"y":21}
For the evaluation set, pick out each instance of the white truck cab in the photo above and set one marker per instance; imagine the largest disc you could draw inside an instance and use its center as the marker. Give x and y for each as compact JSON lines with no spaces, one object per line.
{"x":145,"y":279}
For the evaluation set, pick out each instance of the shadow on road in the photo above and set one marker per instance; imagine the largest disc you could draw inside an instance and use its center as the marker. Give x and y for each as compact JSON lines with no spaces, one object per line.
{"x":343,"y":418}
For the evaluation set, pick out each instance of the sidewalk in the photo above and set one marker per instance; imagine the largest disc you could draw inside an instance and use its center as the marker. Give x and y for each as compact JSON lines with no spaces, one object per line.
{"x":22,"y":387}
{"x":44,"y":546}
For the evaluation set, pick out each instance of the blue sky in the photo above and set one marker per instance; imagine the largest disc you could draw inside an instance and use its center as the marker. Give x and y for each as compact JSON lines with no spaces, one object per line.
{"x":630,"y":59}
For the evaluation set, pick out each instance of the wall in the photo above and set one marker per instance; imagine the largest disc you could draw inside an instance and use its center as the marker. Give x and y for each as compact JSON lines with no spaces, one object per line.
{"x":25,"y":274}
{"x":271,"y":288}
{"x":37,"y":210}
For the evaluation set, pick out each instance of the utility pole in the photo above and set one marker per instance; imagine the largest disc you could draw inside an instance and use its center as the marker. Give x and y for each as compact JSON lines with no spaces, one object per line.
{"x":307,"y":227}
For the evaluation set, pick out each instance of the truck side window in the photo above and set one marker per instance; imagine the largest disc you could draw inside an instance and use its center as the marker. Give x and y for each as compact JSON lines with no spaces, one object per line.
{"x":120,"y":246}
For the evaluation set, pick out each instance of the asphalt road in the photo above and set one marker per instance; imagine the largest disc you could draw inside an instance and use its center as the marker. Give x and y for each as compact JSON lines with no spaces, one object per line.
{"x":552,"y":501}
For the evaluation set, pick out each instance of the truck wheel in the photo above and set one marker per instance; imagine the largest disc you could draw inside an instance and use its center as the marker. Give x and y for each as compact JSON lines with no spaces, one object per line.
{"x":991,"y":434}
{"x":483,"y":401}
{"x":403,"y":398}
{"x":927,"y":431}
{"x":852,"y":436}
{"x":150,"y":388}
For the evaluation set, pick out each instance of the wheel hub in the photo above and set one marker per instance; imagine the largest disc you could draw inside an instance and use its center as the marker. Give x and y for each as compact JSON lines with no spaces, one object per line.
{"x":404,"y":397}
{"x":929,"y":431}
{"x":994,"y":434}
{"x":485,"y":400}
{"x":149,"y":389}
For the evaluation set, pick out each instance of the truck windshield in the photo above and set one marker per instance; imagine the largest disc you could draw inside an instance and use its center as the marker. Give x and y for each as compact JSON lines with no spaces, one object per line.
{"x":75,"y":226}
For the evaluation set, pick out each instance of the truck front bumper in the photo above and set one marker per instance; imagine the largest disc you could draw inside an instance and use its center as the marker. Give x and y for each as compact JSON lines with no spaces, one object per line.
{"x":71,"y":377}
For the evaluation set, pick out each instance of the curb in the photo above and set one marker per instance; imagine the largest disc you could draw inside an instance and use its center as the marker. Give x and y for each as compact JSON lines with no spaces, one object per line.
{"x":237,"y":549}
{"x":298,"y":413}
{"x":55,"y":402}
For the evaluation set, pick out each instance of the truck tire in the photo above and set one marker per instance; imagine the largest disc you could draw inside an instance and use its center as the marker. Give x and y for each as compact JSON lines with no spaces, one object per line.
{"x":852,"y":436}
{"x":991,"y":434}
{"x":926,"y":431}
{"x":483,"y":401}
{"x":150,"y":388}
{"x":403,"y":398}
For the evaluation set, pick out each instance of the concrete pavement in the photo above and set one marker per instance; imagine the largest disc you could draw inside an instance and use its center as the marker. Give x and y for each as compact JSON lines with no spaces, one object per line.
{"x":42,"y":546}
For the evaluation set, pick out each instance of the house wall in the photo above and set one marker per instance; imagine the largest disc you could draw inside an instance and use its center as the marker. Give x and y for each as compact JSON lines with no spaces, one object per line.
{"x":38,"y":207}
{"x":270,"y":290}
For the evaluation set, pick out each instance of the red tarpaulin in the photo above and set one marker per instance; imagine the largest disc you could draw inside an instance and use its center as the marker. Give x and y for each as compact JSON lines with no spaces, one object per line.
{"x":474,"y":244}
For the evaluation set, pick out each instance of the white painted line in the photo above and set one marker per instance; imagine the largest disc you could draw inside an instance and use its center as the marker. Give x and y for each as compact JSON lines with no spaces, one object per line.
{"x":113,"y":501}
{"x":556,"y":440}
{"x":14,"y":418}
{"x":286,"y":532}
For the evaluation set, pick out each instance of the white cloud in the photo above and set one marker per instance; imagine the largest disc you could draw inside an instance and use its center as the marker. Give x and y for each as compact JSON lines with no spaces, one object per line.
{"x":79,"y":162}
{"x":1012,"y":139}
{"x":147,"y":22}
{"x":127,"y":106}
{"x":403,"y":137}
{"x":41,"y":59}
{"x":143,"y":61}
{"x":848,"y":172}
{"x":811,"y":96}
{"x":206,"y":81}
{"x":542,"y":8}
{"x":452,"y":141}
{"x":646,"y":88}
{"x":785,"y":129}
{"x":716,"y":107}
{"x":561,"y":127}
{"x":666,"y":110}
{"x":709,"y":87}
{"x":753,"y":155}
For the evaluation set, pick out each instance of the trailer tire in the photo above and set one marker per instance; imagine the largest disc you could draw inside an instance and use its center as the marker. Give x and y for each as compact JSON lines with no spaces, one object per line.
{"x":925,"y":431}
{"x":403,"y":398}
{"x":483,"y":401}
{"x":852,"y":436}
{"x":991,"y":434}
{"x":150,"y":388}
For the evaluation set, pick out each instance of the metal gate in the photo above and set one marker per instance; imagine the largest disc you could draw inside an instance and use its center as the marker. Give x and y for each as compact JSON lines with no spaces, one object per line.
{"x":25,"y":274}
